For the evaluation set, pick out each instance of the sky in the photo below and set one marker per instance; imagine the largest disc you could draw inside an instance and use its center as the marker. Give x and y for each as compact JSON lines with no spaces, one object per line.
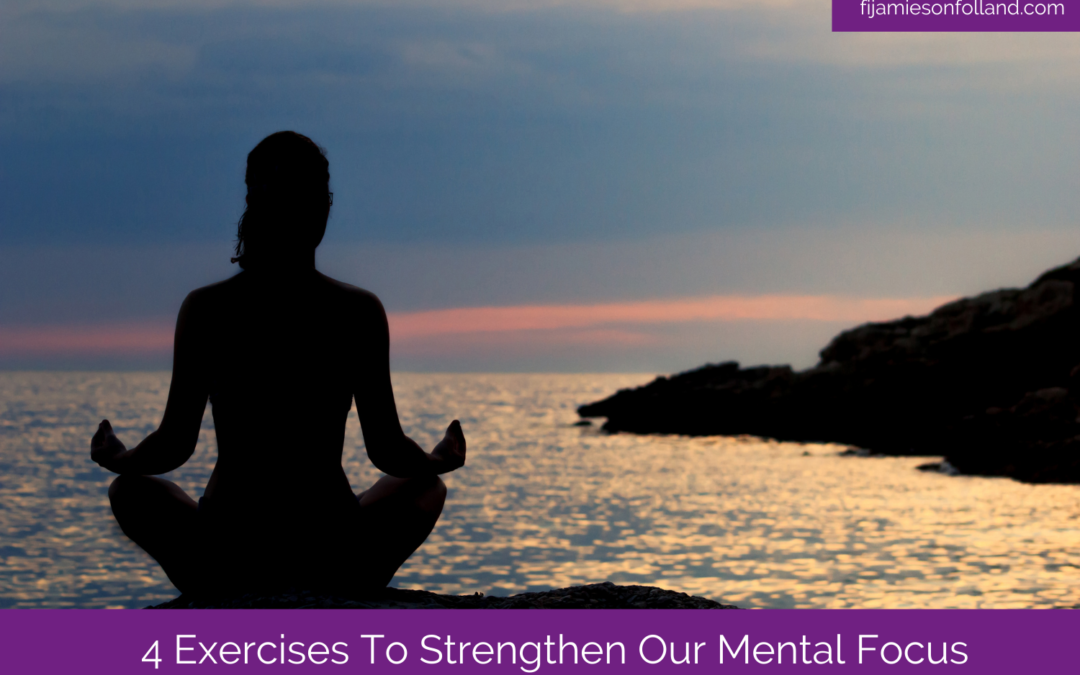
{"x":603,"y":185}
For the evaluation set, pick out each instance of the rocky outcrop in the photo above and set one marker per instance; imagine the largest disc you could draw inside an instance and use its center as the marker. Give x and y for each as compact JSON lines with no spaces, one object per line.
{"x":990,"y":382}
{"x":593,"y":596}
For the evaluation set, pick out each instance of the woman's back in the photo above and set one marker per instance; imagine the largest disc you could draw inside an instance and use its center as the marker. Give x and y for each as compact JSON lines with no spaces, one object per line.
{"x":279,"y":357}
{"x":282,"y":357}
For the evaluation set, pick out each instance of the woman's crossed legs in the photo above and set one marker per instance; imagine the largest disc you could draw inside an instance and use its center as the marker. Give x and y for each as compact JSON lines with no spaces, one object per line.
{"x":397,"y":515}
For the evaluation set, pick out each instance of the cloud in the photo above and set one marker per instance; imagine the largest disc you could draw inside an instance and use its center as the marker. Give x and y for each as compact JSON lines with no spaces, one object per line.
{"x":483,"y":122}
{"x":898,"y":260}
{"x":413,"y":325}
{"x":532,"y":164}
{"x":65,"y":40}
{"x":540,"y":325}
{"x":500,"y":6}
{"x":125,"y":339}
{"x":655,"y":335}
{"x":72,"y":50}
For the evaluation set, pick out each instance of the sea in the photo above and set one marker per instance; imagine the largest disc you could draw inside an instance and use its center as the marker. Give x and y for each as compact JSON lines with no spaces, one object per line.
{"x":545,"y":503}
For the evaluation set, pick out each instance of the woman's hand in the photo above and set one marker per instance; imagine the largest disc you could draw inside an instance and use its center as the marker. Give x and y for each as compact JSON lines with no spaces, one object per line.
{"x":450,"y":452}
{"x":105,"y":447}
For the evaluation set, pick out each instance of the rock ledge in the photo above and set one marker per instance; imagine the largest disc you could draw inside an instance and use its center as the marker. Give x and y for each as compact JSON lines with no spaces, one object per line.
{"x":592,"y":596}
{"x":991,"y":383}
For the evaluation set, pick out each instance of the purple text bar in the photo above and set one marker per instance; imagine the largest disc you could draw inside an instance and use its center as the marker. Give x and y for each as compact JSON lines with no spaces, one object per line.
{"x":958,"y":15}
{"x":531,"y":641}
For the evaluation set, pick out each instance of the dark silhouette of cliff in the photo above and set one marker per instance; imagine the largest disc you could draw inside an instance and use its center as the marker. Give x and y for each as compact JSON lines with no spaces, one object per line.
{"x":990,"y":382}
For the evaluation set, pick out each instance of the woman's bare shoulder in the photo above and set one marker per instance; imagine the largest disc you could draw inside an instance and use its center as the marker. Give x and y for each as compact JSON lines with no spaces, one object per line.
{"x":206,"y":298}
{"x":360,"y":306}
{"x":363,"y":303}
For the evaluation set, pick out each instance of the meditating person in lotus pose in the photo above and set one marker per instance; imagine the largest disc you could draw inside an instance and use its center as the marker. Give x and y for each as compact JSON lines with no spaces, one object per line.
{"x":281,"y":351}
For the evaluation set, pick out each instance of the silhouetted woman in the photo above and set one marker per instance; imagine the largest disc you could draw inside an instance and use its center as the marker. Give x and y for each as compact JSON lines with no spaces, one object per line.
{"x":280,"y":351}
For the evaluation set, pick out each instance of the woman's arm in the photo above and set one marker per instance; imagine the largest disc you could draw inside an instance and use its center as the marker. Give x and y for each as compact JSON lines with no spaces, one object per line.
{"x":174,"y":441}
{"x":389,"y":449}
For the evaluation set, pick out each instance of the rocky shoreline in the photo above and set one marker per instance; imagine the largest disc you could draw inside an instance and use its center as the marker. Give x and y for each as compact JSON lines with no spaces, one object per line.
{"x":991,"y":383}
{"x":605,"y":595}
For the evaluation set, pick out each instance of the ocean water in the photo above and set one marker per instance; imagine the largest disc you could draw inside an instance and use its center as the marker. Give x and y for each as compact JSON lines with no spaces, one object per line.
{"x":542,"y":503}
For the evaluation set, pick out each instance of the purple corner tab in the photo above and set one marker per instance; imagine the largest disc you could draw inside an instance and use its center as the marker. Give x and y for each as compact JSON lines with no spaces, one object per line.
{"x":530,"y":641}
{"x":956,"y":16}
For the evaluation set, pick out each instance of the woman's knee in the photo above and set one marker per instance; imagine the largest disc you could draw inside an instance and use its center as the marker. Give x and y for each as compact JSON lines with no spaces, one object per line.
{"x":122,"y":490}
{"x":131,"y":498}
{"x":127,"y":499}
{"x":426,"y":493}
{"x":433,"y":497}
{"x":141,"y":495}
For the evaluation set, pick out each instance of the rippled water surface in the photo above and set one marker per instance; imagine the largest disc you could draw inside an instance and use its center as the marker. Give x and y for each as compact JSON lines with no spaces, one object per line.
{"x":543,"y":503}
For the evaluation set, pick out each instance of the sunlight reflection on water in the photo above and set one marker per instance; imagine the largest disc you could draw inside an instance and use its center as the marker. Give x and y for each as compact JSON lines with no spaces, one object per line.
{"x":542,"y":503}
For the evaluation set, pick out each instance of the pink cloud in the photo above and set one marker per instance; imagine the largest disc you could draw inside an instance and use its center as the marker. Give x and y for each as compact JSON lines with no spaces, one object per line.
{"x":519,"y":342}
{"x":677,"y":310}
{"x":135,"y":338}
{"x":529,"y":326}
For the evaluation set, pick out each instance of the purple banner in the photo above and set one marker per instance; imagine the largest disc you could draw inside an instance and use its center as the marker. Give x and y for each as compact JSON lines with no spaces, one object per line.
{"x":530,"y":641}
{"x":959,"y":16}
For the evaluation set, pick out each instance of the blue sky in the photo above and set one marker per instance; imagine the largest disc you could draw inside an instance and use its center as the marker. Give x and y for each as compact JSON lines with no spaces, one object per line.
{"x":509,"y":154}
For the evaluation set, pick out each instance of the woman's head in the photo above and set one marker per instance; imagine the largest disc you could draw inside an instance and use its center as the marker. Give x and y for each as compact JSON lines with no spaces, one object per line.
{"x":288,"y":200}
